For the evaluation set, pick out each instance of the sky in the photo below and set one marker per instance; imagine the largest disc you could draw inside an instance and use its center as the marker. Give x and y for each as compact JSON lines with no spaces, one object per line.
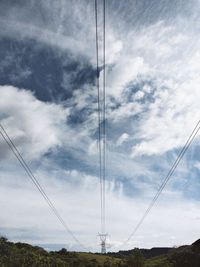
{"x":48,"y":106}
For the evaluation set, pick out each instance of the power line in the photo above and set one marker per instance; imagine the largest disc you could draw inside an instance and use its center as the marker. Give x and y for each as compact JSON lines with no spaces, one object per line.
{"x":27,"y":169}
{"x":165,"y":181}
{"x":104,"y":109}
{"x":101,"y":123}
{"x":99,"y":114}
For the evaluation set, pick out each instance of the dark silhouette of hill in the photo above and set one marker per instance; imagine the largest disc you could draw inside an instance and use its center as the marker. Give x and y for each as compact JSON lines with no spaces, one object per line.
{"x":186,"y":256}
{"x":147,"y":253}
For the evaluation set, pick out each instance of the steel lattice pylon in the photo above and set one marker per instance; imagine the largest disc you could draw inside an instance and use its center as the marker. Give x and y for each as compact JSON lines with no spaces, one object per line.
{"x":103,"y":238}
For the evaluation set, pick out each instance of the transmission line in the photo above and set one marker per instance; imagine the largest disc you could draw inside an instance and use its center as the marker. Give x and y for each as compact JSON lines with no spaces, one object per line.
{"x":104,"y":109}
{"x":27,"y":169}
{"x":99,"y":114}
{"x":101,"y":123}
{"x":165,"y":181}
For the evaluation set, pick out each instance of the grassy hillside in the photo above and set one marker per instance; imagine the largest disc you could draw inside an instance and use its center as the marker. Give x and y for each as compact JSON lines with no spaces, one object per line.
{"x":162,"y":261}
{"x":101,"y":259}
{"x":25,"y":255}
{"x":147,"y":253}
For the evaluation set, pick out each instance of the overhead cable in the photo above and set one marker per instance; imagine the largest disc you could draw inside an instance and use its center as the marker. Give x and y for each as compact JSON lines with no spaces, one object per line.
{"x":166,"y":179}
{"x":99,"y":114}
{"x":104,"y":110}
{"x":27,"y":169}
{"x":101,"y":98}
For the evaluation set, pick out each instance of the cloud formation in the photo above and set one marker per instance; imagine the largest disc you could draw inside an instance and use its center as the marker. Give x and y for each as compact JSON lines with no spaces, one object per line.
{"x":48,"y":105}
{"x":33,"y":125}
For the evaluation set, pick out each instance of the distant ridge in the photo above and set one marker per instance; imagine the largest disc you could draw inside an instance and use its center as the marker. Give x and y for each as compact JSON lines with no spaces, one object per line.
{"x":147,"y":253}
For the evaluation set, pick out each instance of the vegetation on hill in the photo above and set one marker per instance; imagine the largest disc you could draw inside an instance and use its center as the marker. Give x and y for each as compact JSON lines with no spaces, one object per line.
{"x":147,"y":253}
{"x":25,"y":255}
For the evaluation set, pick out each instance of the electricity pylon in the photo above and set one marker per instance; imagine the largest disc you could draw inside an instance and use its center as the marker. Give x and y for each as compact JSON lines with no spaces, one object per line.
{"x":103,"y":238}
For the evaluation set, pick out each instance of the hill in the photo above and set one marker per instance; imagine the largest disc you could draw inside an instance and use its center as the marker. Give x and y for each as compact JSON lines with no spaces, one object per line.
{"x":184,"y":256}
{"x":147,"y":253}
{"x":25,"y":255}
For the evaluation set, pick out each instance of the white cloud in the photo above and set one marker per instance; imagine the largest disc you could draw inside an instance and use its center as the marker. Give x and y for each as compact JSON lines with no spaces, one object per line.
{"x":164,"y":54}
{"x":123,"y":138}
{"x":147,"y":88}
{"x":40,"y":34}
{"x":124,"y":71}
{"x":125,"y":111}
{"x":170,"y":119}
{"x":53,"y":23}
{"x":33,"y":125}
{"x":139,"y":95}
{"x":93,"y":148}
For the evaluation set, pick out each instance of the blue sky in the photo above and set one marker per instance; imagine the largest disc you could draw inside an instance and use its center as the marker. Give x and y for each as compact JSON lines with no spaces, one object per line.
{"x":48,"y":105}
